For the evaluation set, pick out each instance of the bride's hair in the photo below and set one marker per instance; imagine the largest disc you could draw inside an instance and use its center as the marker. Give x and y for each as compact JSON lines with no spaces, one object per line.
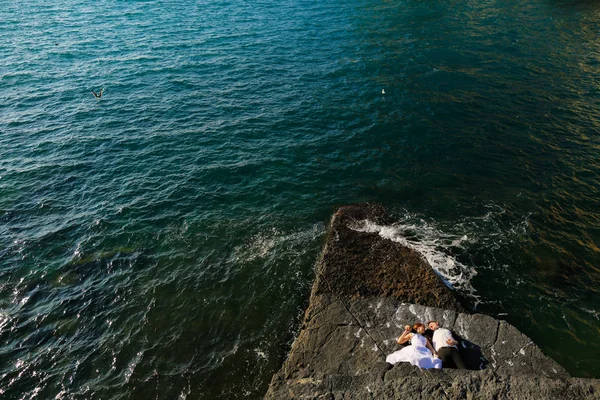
{"x":417,"y":326}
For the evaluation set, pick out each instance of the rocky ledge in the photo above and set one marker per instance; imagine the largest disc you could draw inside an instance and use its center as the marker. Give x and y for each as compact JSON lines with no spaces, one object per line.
{"x":366,"y":289}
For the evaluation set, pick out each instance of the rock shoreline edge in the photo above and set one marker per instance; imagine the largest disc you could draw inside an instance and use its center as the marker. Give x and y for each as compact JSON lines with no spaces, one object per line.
{"x":366,"y":289}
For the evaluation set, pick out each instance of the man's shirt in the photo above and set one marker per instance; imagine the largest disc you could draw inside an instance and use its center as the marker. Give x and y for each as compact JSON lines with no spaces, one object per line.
{"x":440,"y":338}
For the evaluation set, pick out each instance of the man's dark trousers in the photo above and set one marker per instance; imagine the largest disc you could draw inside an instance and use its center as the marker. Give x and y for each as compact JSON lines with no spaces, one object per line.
{"x":449,"y":354}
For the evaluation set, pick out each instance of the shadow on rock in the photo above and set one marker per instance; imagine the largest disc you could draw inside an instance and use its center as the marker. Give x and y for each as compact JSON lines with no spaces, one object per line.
{"x":471,"y":354}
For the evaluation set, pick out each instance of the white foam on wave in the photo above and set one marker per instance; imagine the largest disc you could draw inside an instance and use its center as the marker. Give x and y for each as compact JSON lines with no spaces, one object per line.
{"x":260,"y":354}
{"x":265,"y":243}
{"x":595,"y":313}
{"x":434,"y":245}
{"x":448,"y":246}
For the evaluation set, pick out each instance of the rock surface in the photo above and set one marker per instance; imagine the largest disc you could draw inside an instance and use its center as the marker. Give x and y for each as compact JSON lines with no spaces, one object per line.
{"x":365,"y":291}
{"x":358,"y":264}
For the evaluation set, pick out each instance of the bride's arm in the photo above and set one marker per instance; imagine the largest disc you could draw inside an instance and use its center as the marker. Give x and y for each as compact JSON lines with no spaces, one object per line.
{"x":406,"y":335}
{"x":430,"y":347}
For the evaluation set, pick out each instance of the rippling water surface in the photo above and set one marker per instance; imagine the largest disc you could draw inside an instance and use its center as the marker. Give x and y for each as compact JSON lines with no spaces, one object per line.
{"x":159,"y":242}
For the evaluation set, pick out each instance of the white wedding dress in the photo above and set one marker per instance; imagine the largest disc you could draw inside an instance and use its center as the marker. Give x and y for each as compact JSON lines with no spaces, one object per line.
{"x":416,"y":354}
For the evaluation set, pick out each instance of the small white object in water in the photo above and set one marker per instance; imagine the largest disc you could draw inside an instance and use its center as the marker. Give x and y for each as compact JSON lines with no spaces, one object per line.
{"x":382,"y":91}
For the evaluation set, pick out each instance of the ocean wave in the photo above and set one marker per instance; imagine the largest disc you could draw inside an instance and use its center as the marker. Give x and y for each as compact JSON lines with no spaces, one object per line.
{"x":433,"y":245}
{"x":447,"y":246}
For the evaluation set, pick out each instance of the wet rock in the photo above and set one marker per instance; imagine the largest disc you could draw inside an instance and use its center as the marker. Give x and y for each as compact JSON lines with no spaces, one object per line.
{"x":358,"y":264}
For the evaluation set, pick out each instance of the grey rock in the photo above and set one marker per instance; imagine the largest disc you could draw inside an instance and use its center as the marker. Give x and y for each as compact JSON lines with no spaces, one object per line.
{"x":350,"y":327}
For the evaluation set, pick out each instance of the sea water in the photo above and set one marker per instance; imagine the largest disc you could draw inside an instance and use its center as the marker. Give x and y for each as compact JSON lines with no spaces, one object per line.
{"x":159,"y":242}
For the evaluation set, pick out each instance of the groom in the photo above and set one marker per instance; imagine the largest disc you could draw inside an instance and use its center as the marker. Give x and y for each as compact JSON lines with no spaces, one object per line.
{"x":445,"y":345}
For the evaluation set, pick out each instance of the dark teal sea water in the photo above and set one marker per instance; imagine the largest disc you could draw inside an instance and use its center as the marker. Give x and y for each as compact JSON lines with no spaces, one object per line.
{"x":160,"y":242}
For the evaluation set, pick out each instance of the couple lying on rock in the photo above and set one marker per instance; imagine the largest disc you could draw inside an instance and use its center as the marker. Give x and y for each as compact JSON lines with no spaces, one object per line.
{"x":422,"y":353}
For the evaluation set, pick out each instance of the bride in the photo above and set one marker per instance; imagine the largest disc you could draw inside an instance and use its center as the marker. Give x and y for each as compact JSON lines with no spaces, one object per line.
{"x":419,"y":353}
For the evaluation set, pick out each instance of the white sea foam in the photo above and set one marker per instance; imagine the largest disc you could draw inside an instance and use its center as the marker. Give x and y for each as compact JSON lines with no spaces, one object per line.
{"x":447,"y":246}
{"x":433,"y":245}
{"x":593,"y":312}
{"x":263,"y":244}
{"x":260,"y":354}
